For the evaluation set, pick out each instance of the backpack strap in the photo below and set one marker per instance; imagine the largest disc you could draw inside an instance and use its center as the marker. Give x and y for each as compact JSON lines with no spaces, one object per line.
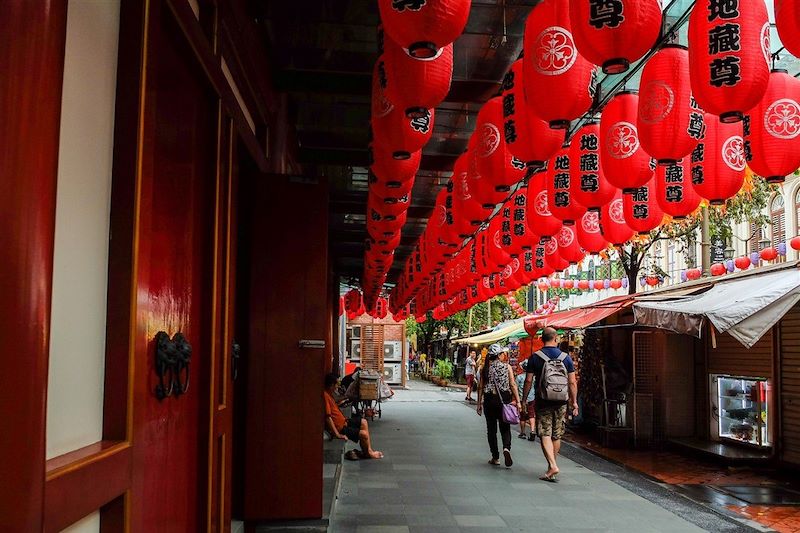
{"x":562,"y":357}
{"x":542,"y":356}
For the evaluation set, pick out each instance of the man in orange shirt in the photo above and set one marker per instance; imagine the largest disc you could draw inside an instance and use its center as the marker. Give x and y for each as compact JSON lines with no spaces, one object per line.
{"x":354,"y":428}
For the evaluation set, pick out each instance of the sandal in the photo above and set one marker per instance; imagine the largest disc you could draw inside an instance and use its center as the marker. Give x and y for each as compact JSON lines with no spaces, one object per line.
{"x":352,"y":455}
{"x":549,"y":479}
{"x":522,"y":436}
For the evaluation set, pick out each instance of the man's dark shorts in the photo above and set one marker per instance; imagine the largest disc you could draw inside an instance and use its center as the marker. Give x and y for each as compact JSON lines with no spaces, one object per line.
{"x":352,"y":429}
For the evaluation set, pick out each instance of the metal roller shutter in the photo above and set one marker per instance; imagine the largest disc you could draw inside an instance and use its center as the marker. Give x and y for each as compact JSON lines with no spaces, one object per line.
{"x":790,"y":387}
{"x":730,"y":357}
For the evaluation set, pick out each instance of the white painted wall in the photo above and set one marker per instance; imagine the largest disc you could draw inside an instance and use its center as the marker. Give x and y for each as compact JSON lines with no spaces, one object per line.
{"x":77,"y":334}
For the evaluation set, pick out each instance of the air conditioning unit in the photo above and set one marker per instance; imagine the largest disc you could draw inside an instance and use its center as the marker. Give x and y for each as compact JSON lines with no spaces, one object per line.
{"x":393,"y":373}
{"x":393,"y":351}
{"x":355,"y":350}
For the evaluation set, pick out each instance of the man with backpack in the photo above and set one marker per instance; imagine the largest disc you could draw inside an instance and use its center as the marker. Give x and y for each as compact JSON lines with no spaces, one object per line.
{"x":556,"y":386}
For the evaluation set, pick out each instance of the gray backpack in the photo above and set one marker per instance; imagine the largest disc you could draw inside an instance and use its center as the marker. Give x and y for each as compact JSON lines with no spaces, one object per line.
{"x":554,"y":383}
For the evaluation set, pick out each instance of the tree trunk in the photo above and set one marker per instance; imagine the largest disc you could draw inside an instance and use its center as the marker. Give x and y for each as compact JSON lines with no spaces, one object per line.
{"x":633,"y":275}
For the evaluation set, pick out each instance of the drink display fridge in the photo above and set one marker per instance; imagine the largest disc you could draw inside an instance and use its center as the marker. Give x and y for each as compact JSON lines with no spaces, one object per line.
{"x":743,"y":409}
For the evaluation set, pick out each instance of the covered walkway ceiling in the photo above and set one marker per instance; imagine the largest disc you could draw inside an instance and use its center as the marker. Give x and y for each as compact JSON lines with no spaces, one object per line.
{"x":322,"y":54}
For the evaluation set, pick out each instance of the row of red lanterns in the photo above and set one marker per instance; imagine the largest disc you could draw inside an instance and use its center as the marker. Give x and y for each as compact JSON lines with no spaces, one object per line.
{"x":352,"y":304}
{"x":666,"y":121}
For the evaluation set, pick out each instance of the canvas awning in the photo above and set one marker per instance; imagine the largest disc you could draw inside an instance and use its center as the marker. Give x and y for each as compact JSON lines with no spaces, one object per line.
{"x":581,"y":317}
{"x":745,"y":307}
{"x":499,"y":333}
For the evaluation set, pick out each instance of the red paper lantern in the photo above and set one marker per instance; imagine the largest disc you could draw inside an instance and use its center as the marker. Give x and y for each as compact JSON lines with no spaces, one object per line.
{"x":616,"y":284}
{"x":558,"y":80}
{"x":729,"y":56}
{"x":589,"y":236}
{"x":497,"y":252}
{"x":613,"y":227}
{"x":587,"y":179}
{"x":694,"y":273}
{"x":625,"y":163}
{"x":560,"y":197}
{"x":391,"y":188}
{"x":527,"y":137}
{"x":553,"y":257}
{"x":742,"y":263}
{"x":469,"y":213}
{"x":529,"y":272}
{"x":674,"y":191}
{"x":719,"y":161}
{"x":403,"y":135}
{"x":481,"y":187}
{"x":795,"y":243}
{"x":515,"y":233}
{"x":540,"y":220}
{"x":787,"y":20}
{"x":540,"y":264}
{"x":380,"y":226}
{"x":598,"y":284}
{"x":772,"y":129}
{"x":415,"y":85}
{"x":494,"y":162}
{"x":717,"y":269}
{"x":382,"y":307}
{"x":583,"y":285}
{"x":384,"y":246}
{"x":441,"y":220}
{"x":424,"y":26}
{"x":769,"y":254}
{"x":388,"y":206}
{"x":568,"y":246}
{"x":615,"y":34}
{"x":669,"y":125}
{"x":388,"y":169}
{"x":352,"y":300}
{"x":642,"y":213}
{"x":569,"y":284}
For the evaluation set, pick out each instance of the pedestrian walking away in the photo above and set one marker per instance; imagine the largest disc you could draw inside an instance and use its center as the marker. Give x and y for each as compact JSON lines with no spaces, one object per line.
{"x":552,"y":372}
{"x":495,"y":389}
{"x":469,"y":372}
{"x":527,"y":414}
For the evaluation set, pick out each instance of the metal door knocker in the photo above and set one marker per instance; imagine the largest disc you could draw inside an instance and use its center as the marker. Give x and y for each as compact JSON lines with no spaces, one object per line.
{"x":173,"y":357}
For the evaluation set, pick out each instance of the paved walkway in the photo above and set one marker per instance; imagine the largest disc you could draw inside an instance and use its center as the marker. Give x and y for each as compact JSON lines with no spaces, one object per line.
{"x":435,"y":478}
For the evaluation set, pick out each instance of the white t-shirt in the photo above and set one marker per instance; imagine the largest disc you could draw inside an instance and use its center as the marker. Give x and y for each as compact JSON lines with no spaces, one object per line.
{"x":470,"y":368}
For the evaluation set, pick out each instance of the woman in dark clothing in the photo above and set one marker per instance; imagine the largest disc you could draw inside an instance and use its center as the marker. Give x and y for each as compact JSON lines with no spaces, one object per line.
{"x":496,"y":387}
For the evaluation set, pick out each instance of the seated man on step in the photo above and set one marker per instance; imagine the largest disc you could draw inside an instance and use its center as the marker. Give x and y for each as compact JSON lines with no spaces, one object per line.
{"x":354,"y":428}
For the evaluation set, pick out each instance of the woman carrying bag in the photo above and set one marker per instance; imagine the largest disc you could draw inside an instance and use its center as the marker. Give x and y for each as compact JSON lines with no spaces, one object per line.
{"x":499,"y":401}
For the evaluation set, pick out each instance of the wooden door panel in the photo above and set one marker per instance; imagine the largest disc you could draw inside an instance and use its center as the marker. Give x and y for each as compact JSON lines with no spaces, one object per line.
{"x":174,"y":281}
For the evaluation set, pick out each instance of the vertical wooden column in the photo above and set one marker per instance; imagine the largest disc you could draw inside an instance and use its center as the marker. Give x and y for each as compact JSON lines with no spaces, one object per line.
{"x":32,"y":38}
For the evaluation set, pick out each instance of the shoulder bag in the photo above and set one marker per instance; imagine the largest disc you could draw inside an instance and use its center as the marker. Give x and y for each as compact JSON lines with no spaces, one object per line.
{"x":510,"y":412}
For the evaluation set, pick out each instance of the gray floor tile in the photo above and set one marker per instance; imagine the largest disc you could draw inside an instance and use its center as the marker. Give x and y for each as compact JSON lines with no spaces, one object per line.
{"x":479,"y":521}
{"x":435,"y":478}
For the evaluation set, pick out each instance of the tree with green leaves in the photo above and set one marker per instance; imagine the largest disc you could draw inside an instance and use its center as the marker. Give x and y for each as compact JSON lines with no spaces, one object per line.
{"x":427,"y":331}
{"x":747,"y":206}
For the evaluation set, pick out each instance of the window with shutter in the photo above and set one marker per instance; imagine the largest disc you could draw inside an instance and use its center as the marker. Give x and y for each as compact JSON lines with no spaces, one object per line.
{"x":757,"y":234}
{"x":777,"y":216}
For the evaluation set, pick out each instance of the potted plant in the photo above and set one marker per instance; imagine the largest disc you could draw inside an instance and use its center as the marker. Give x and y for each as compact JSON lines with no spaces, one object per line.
{"x":443,"y":371}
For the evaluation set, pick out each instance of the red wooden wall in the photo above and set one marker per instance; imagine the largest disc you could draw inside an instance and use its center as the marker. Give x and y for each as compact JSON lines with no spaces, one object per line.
{"x":289,"y":299}
{"x":32,"y":36}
